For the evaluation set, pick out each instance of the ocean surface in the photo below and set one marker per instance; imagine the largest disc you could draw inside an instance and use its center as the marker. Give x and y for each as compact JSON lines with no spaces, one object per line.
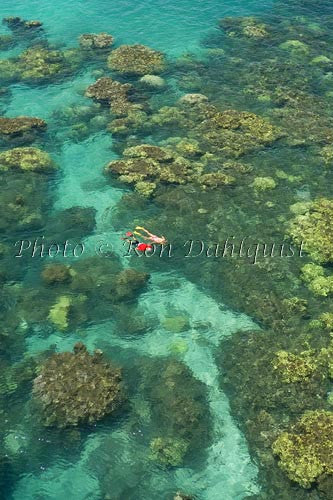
{"x":186,"y":308}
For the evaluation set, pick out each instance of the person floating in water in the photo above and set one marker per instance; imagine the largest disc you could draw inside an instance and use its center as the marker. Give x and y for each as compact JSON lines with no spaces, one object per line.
{"x":141,"y":247}
{"x":159,"y":240}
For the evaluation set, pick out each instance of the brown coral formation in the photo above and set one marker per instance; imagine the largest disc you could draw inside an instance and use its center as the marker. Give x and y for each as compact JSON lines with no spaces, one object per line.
{"x":77,"y":388}
{"x":136,"y":60}
{"x":146,"y":166}
{"x":19,"y":125}
{"x":17,"y":23}
{"x":114,"y":93}
{"x":213,"y":137}
{"x":56,"y":273}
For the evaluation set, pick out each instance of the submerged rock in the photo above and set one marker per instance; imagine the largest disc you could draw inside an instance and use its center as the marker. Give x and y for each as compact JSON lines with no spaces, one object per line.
{"x":182,"y":496}
{"x":77,"y":388}
{"x":153,"y":81}
{"x":6,"y":41}
{"x":193,"y":99}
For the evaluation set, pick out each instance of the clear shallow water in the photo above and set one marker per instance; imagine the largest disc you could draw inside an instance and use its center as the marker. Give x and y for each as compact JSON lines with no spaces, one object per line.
{"x":173,"y":27}
{"x":226,"y":470}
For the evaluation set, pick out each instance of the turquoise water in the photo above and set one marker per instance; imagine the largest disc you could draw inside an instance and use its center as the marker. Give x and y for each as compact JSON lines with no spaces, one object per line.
{"x":172,"y":27}
{"x":186,"y":310}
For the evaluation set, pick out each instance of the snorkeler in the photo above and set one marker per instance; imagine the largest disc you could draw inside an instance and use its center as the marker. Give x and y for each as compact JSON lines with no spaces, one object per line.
{"x":159,"y":240}
{"x":141,"y":247}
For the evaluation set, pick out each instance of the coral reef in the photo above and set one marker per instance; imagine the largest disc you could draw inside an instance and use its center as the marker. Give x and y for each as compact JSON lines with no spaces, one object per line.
{"x":17,"y":23}
{"x":148,"y":167}
{"x":136,"y":60}
{"x":21,"y":127}
{"x":96,"y":41}
{"x":56,"y":273}
{"x":316,"y":280}
{"x":77,"y":388}
{"x":73,"y":222}
{"x":23,"y":200}
{"x":38,"y":64}
{"x":178,"y":410}
{"x":295,"y":47}
{"x":247,"y":27}
{"x":306,"y":451}
{"x":26,"y":159}
{"x":283,"y":384}
{"x":294,"y":368}
{"x":6,"y":41}
{"x":128,"y":282}
{"x":315,"y":228}
{"x":114,"y":93}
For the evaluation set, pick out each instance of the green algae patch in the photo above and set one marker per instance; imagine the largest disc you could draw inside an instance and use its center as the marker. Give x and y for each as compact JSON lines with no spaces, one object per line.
{"x":168,"y":451}
{"x":77,"y":388}
{"x":295,"y":47}
{"x":316,"y":280}
{"x":26,"y":159}
{"x":176,"y":324}
{"x":136,"y":60}
{"x":58,"y":314}
{"x":306,"y":451}
{"x":314,"y":228}
{"x":263,"y":183}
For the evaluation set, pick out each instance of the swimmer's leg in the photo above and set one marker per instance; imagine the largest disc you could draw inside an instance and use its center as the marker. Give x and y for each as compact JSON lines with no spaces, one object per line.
{"x":141,"y":235}
{"x":145,"y":230}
